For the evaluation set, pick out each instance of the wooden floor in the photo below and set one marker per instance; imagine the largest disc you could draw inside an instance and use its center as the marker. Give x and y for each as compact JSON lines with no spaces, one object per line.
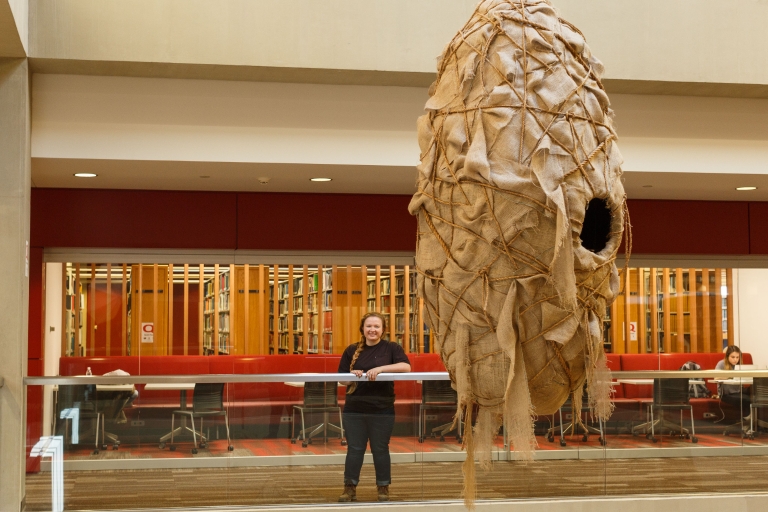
{"x":287,"y":485}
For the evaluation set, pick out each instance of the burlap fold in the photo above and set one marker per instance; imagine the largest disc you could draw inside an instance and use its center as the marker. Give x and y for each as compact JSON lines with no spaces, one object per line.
{"x":516,"y":143}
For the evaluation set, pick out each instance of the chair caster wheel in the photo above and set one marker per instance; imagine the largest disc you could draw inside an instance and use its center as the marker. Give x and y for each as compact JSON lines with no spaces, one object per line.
{"x":343,"y":442}
{"x":203,"y":445}
{"x":304,"y":445}
{"x":293,"y":441}
{"x":550,"y":438}
{"x":230,"y":448}
{"x":442,"y":439}
{"x":459,"y":440}
{"x":421,"y":439}
{"x":172,"y":447}
{"x":104,"y":447}
{"x":162,"y":446}
{"x":584,"y":438}
{"x":194,"y":451}
{"x":654,"y":439}
{"x":562,"y":442}
{"x":694,"y":439}
{"x":602,"y":441}
{"x":115,"y":447}
{"x":95,"y":452}
{"x":648,"y":436}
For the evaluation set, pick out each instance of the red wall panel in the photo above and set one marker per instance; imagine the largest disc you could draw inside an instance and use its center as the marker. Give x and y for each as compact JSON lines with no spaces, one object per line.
{"x":758,"y":228}
{"x":133,"y":218}
{"x":342,"y":222}
{"x":35,"y":318}
{"x":34,"y":414}
{"x":689,"y":227}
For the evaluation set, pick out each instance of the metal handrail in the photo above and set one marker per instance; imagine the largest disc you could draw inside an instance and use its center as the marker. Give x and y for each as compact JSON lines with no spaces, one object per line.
{"x":346,"y":377}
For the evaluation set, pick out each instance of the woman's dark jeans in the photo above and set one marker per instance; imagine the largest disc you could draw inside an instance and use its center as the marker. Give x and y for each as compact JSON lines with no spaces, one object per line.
{"x":359,"y":429}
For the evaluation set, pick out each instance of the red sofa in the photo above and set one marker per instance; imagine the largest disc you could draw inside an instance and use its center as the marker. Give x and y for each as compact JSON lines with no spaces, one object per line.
{"x":643,"y":394}
{"x":267,"y":403}
{"x":263,"y":403}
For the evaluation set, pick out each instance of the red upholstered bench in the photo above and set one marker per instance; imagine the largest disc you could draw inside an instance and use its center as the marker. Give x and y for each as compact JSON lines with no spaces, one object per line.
{"x":252,"y":402}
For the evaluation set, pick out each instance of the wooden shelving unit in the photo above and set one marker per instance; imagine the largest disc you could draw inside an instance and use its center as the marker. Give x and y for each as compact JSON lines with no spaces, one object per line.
{"x":671,"y":310}
{"x":238,"y":309}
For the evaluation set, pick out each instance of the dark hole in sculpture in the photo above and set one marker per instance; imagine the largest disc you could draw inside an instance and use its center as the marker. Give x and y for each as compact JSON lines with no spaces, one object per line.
{"x":597,"y":226}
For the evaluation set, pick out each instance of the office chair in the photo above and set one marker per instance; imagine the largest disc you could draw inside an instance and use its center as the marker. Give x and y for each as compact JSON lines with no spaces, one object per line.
{"x":576,"y":423}
{"x":437,"y":395}
{"x":670,"y":394}
{"x":759,"y":401}
{"x":318,"y":397}
{"x":74,"y":404}
{"x":207,"y":401}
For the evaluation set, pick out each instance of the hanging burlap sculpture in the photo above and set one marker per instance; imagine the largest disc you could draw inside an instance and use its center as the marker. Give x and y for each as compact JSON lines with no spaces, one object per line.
{"x":520,"y":212}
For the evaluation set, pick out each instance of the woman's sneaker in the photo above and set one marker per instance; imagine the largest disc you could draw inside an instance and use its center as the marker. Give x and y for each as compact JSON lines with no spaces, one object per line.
{"x":349,"y":494}
{"x":383,"y":491}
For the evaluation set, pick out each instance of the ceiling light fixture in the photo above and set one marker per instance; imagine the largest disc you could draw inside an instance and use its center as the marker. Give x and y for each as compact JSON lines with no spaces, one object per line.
{"x":320,"y":179}
{"x":85,"y":175}
{"x":205,"y":176}
{"x":647,"y":186}
{"x":746,"y":188}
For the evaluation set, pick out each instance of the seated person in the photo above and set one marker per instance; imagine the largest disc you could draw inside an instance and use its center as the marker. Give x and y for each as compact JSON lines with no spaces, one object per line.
{"x":115,"y":401}
{"x":732,"y":394}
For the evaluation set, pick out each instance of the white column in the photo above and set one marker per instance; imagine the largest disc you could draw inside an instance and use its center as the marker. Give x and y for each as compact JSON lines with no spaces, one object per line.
{"x":15,"y":185}
{"x":750,"y":314}
{"x":53,"y":327}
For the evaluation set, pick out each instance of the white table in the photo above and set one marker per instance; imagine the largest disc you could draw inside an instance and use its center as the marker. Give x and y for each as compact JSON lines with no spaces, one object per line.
{"x":182,"y":387}
{"x":734,"y":381}
{"x":645,"y":382}
{"x":114,"y":387}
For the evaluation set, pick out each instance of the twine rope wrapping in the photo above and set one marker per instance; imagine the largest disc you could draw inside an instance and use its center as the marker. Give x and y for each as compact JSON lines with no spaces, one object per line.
{"x":517,"y":143}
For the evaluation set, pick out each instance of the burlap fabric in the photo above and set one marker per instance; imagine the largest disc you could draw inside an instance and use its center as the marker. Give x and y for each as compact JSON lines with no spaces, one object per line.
{"x":516,"y":141}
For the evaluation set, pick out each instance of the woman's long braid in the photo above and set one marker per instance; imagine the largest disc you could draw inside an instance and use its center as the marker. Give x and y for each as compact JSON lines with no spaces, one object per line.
{"x":360,"y":345}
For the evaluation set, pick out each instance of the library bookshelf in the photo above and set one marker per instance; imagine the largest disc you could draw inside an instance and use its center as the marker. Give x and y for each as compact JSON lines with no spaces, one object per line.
{"x":671,"y":310}
{"x":241,"y":309}
{"x":212,"y":309}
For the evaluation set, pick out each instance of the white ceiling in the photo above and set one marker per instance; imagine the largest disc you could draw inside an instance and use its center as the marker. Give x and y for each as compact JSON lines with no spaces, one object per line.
{"x":164,"y":134}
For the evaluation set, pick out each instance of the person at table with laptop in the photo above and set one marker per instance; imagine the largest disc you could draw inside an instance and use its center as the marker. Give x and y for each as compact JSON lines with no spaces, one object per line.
{"x":733,"y":394}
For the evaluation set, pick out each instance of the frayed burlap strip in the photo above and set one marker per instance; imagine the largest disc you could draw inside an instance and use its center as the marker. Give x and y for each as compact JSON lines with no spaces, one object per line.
{"x":516,"y":141}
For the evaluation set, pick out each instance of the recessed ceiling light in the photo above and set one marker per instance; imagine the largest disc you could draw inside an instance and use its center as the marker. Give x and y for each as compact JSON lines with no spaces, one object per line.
{"x":205,"y":176}
{"x":647,"y":186}
{"x":85,"y":175}
{"x":746,"y":188}
{"x":320,"y":179}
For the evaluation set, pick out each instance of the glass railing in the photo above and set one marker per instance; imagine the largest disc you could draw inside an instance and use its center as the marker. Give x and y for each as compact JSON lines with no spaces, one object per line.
{"x":281,"y":439}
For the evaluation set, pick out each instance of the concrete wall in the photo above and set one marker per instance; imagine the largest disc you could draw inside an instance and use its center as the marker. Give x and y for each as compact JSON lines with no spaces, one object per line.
{"x":638,"y":40}
{"x":14,"y":28}
{"x":14,"y":274}
{"x":145,"y":132}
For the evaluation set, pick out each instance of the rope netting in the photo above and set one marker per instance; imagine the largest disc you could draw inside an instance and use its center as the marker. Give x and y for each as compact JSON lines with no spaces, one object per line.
{"x":517,"y":146}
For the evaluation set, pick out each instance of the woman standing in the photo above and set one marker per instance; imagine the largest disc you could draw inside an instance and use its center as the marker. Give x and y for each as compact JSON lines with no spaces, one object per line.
{"x":369,"y":410}
{"x":732,"y":394}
